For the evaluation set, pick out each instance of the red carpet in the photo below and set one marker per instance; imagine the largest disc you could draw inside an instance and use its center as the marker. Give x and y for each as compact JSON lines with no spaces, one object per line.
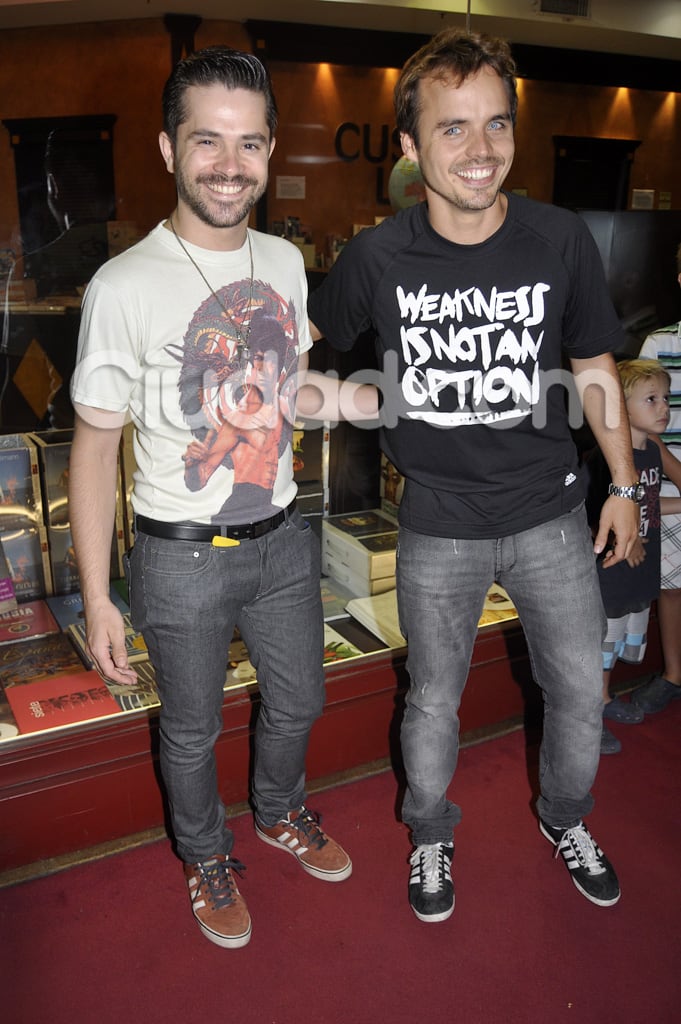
{"x":114,"y":940}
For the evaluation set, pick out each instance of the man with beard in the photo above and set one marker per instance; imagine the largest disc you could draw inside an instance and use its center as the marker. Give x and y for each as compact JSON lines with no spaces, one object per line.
{"x":475,"y":296}
{"x":232,"y":302}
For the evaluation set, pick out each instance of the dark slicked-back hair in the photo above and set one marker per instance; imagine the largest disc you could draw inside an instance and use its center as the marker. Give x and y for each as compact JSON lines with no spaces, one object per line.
{"x":216,"y":65}
{"x":455,"y":54}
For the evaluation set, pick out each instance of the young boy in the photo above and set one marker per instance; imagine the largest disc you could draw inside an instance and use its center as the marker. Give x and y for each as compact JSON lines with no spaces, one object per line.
{"x":629,"y":587}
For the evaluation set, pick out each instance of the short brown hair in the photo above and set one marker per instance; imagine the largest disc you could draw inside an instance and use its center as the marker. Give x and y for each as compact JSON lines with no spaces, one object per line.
{"x":632,"y":371}
{"x":455,"y":53}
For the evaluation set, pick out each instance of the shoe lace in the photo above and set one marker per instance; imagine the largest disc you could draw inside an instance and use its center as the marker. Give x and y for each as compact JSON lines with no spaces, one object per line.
{"x":582,"y":843}
{"x":431,"y":862}
{"x":309,"y":822}
{"x":220,"y":887}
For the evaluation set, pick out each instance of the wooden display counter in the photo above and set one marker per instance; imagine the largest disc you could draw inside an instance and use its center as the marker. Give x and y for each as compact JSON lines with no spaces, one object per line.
{"x":92,"y":784}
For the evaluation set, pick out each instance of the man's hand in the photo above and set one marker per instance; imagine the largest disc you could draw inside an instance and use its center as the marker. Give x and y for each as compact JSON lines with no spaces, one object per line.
{"x":621,"y":516}
{"x":106,"y":643}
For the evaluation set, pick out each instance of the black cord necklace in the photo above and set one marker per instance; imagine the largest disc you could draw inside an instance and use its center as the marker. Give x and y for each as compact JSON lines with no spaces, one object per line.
{"x":242,"y":339}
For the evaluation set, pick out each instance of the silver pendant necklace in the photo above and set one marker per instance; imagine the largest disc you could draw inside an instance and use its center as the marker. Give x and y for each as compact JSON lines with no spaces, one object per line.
{"x":243,"y":350}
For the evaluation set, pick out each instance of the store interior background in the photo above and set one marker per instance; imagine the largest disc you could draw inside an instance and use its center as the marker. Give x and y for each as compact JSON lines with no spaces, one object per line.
{"x":601,"y":91}
{"x":599,"y":101}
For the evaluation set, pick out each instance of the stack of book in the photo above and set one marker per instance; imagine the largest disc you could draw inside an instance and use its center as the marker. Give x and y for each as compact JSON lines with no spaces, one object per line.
{"x":359,"y":549}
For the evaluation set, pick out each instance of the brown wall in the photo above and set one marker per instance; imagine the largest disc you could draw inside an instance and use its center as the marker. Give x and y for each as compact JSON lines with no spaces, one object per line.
{"x":119,"y":68}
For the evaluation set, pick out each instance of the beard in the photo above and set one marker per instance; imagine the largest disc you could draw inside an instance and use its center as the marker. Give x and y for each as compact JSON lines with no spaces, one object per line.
{"x":219,"y":214}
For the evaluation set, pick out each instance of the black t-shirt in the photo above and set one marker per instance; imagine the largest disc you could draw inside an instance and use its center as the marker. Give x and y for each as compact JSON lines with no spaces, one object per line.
{"x":624,"y":588}
{"x":471,"y":341}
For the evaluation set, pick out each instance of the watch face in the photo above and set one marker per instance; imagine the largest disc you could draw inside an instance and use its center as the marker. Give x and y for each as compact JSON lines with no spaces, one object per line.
{"x":639,"y":492}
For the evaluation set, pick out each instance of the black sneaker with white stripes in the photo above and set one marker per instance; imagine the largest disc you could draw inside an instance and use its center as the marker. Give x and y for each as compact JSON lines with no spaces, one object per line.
{"x":431,"y":892}
{"x":590,"y":869}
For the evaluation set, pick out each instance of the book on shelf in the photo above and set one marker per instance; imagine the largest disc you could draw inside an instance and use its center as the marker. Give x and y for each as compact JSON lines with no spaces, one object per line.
{"x":8,"y":724}
{"x":379,"y":614}
{"x":31,"y":619}
{"x":27,"y":661}
{"x":364,"y":542}
{"x":137,"y":696}
{"x":335,"y":596}
{"x":20,"y":497}
{"x":240,"y":671}
{"x":357,"y":583}
{"x":68,"y":608}
{"x":391,"y":486}
{"x":135,"y":647}
{"x":336,"y":647}
{"x":8,"y":599}
{"x":57,"y":701}
{"x":498,"y":607}
{"x":27,"y":555}
{"x":54,"y":456}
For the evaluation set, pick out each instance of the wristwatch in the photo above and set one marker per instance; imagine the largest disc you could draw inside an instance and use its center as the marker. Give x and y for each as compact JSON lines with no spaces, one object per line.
{"x":635,"y":491}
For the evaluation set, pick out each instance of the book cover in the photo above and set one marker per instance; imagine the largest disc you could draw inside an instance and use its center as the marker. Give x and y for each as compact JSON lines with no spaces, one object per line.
{"x":391,"y":486}
{"x":8,"y":599}
{"x":65,"y":578}
{"x":28,"y":661}
{"x":334,"y":598}
{"x":498,"y":607}
{"x":137,"y":696}
{"x":27,"y":556}
{"x":31,"y":619}
{"x":336,"y":647}
{"x":362,"y":524}
{"x":54,"y":454}
{"x":61,"y":700}
{"x":68,"y":608}
{"x":8,"y":726}
{"x":379,"y":614}
{"x":240,"y":671}
{"x":135,"y":646}
{"x":358,"y":583}
{"x":20,"y":500}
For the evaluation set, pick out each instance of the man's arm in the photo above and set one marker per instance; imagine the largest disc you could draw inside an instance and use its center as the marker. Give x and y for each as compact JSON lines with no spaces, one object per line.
{"x":600,"y":390}
{"x":92,"y":503}
{"x":327,"y":398}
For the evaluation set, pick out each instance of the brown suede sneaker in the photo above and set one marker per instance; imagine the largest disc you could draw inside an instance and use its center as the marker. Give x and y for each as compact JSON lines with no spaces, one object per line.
{"x":216,"y":902}
{"x":299,"y":833}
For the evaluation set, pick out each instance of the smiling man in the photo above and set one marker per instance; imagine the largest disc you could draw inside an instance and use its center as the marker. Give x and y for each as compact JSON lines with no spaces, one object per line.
{"x":476,"y":297}
{"x":197,"y":333}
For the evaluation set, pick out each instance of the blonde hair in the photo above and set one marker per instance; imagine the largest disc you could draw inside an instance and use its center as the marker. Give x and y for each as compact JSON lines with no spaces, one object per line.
{"x":632,"y":371}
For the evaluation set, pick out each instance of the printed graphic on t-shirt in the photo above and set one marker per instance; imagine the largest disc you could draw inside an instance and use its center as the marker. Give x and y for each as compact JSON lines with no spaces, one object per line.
{"x":650,"y":506}
{"x":472,"y":356}
{"x":237,"y":391}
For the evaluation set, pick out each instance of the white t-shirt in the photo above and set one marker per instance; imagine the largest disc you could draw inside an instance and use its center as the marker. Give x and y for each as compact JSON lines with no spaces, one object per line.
{"x":212,"y":440}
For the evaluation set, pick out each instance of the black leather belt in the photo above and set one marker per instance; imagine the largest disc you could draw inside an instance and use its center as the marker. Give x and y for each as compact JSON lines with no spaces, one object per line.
{"x":246,"y":531}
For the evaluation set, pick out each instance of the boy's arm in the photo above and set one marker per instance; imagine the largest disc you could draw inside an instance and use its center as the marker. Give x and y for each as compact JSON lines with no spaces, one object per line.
{"x":600,"y":390}
{"x":671,"y":466}
{"x":670,"y":506}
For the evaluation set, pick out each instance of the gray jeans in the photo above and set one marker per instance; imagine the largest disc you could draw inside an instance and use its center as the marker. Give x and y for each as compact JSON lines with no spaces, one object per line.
{"x":186,"y":598}
{"x":550,"y":575}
